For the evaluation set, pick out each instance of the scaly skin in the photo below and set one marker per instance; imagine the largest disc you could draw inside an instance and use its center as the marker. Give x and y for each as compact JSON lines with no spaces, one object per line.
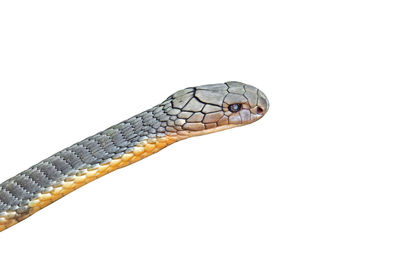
{"x":189,"y":112}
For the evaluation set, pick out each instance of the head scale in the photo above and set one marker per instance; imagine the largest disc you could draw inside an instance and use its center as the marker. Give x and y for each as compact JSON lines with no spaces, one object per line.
{"x":215,"y":107}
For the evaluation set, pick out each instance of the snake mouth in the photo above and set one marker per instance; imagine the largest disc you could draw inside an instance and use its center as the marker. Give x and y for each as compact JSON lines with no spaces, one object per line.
{"x":186,"y":134}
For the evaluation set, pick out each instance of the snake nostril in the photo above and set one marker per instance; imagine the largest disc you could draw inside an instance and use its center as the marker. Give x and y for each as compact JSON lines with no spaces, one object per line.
{"x":259,"y":111}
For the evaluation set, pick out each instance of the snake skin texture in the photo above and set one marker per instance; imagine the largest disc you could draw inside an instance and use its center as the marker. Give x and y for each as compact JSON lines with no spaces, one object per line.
{"x":189,"y":112}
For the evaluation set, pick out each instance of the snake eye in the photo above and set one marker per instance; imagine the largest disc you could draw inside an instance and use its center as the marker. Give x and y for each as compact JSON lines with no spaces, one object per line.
{"x":235,"y":107}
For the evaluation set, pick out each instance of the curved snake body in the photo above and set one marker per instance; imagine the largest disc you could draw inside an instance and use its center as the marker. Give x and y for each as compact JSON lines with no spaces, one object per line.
{"x":189,"y":112}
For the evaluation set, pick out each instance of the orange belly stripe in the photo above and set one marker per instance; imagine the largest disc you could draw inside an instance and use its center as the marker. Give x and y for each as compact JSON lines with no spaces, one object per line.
{"x":71,"y":183}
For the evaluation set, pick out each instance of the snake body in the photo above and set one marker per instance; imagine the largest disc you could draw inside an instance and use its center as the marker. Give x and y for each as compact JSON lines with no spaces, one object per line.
{"x":189,"y":112}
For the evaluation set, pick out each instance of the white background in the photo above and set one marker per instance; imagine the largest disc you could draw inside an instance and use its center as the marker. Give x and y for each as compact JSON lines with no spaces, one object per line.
{"x":314,"y":183}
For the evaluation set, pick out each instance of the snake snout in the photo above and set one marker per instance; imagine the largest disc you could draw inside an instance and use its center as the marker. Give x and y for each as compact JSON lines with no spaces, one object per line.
{"x":262,"y":104}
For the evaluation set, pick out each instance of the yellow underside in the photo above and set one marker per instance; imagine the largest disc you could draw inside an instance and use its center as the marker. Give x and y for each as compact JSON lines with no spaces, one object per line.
{"x":141,"y":151}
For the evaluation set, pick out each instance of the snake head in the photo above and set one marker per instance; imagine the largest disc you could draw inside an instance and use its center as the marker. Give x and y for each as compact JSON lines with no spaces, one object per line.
{"x":215,"y":107}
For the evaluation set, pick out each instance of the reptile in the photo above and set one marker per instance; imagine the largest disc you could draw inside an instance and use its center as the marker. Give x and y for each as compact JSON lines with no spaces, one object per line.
{"x":193,"y":111}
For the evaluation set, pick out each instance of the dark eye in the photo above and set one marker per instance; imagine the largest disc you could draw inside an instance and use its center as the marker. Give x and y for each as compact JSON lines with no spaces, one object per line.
{"x":235,"y":107}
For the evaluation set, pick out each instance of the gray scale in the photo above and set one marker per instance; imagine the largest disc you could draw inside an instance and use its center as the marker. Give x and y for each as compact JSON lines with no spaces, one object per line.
{"x":187,"y":109}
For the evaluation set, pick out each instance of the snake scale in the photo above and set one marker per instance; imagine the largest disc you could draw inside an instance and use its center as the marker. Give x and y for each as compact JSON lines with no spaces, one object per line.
{"x":189,"y":112}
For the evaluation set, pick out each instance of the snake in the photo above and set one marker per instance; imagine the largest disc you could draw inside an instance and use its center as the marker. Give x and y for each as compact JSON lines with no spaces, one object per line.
{"x":189,"y":112}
